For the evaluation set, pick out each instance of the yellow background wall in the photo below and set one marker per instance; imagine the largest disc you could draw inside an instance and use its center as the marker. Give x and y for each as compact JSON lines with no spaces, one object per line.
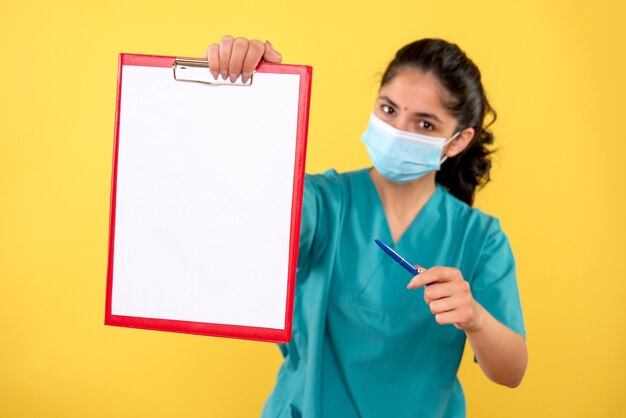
{"x":554,"y":71}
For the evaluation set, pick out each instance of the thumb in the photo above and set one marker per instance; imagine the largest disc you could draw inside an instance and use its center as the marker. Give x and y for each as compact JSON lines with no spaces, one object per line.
{"x":419,"y":269}
{"x":271,"y":55}
{"x":412,"y":283}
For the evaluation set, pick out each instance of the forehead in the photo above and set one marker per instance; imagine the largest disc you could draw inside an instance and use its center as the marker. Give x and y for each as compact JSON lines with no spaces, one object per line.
{"x":416,"y":91}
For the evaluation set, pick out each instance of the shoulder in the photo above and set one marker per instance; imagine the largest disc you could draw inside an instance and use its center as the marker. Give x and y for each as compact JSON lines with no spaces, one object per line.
{"x":324,"y":206}
{"x":332,"y":178}
{"x":331,"y":184}
{"x":488,"y":260}
{"x":471,"y":224}
{"x":465,"y":214}
{"x":328,"y":179}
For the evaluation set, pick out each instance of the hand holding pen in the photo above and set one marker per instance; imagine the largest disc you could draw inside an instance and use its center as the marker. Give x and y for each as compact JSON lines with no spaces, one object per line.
{"x":446,"y":292}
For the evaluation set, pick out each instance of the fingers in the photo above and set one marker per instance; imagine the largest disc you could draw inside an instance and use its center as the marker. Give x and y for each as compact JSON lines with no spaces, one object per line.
{"x":448,"y":296}
{"x":460,"y":317}
{"x":256,"y":49}
{"x":232,"y":57}
{"x":454,"y":308}
{"x":271,"y":55}
{"x":446,"y":289}
{"x":213,"y":57}
{"x":449,"y":303}
{"x":434,"y":275}
{"x":226,"y":46}
{"x":237,"y":56}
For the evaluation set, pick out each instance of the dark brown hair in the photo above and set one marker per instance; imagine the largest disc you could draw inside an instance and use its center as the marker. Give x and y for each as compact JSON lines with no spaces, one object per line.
{"x":466,"y":101}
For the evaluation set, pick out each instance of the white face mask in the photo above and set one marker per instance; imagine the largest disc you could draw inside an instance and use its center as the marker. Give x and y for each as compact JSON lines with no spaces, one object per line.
{"x":402,"y":156}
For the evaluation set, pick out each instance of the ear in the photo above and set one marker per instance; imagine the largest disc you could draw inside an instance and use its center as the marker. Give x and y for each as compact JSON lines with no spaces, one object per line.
{"x":460,"y":143}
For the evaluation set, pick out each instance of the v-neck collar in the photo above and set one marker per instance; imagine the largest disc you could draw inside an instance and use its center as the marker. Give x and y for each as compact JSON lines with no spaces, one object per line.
{"x":428,"y":209}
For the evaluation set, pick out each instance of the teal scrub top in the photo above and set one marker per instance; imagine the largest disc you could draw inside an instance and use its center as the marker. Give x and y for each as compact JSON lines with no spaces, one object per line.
{"x":363,"y":345}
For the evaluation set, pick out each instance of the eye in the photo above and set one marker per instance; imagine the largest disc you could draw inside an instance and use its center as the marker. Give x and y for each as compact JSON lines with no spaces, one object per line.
{"x":388,"y":110}
{"x":422,"y":124}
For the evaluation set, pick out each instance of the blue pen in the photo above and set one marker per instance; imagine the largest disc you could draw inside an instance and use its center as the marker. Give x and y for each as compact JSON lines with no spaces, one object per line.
{"x":391,"y":253}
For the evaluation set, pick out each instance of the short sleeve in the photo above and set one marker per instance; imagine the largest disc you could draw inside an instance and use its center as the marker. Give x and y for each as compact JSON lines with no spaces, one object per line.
{"x":494,"y":284}
{"x":318,"y":202}
{"x":321,"y":205}
{"x":309,"y":216}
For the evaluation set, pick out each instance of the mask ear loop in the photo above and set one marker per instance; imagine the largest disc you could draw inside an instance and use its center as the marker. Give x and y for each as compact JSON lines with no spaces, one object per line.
{"x":452,"y":138}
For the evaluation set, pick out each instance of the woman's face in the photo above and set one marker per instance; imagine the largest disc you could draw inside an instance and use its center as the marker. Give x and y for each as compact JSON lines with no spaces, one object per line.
{"x":413,"y":102}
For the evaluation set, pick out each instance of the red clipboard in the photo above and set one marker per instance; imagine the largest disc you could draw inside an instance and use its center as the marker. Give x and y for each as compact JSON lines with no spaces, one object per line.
{"x":206,"y":206}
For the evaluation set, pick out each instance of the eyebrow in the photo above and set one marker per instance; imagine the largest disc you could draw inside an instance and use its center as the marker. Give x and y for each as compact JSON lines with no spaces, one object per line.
{"x":419,"y":114}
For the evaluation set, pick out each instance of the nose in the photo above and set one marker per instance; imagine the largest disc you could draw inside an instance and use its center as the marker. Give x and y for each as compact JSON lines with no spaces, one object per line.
{"x":402,"y":122}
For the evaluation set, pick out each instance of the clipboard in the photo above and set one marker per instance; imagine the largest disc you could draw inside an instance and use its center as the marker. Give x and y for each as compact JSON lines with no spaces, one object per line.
{"x":206,"y":198}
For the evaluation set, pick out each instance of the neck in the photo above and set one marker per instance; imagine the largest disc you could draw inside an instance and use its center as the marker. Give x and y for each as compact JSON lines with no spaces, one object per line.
{"x":402,"y":202}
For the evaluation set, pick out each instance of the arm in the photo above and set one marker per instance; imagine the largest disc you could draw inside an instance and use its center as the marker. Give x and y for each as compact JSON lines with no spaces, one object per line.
{"x":501,"y":352}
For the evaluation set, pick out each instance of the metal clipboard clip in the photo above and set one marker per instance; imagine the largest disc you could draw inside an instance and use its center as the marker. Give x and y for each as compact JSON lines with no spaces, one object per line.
{"x":197,"y":71}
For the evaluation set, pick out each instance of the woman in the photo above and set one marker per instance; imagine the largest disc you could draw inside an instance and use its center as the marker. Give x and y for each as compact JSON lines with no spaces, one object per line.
{"x":364,"y":343}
